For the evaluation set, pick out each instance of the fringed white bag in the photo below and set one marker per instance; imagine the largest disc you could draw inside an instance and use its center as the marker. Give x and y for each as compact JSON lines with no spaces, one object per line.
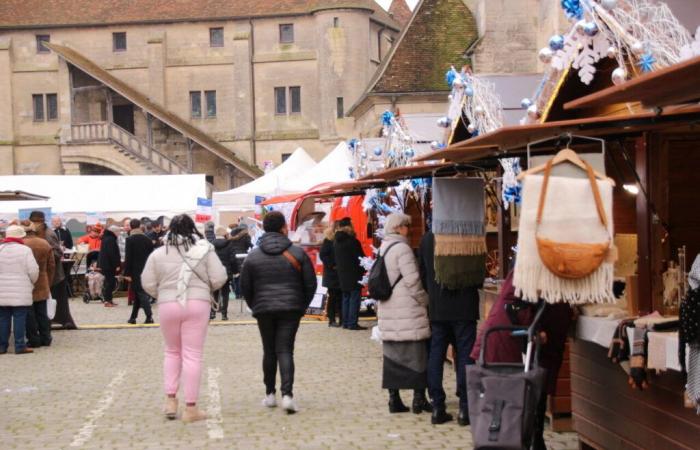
{"x":51,"y":307}
{"x":571,"y":217}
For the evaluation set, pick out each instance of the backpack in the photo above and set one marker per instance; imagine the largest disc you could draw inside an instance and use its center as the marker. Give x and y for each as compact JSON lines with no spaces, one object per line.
{"x":380,"y":288}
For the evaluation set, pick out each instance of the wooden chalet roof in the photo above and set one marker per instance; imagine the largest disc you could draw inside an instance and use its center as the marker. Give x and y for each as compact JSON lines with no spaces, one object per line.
{"x":671,"y":85}
{"x":173,"y":120}
{"x":20,"y":195}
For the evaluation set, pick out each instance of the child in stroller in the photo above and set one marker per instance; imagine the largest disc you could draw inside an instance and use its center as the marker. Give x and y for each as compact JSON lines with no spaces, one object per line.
{"x":94,"y":280}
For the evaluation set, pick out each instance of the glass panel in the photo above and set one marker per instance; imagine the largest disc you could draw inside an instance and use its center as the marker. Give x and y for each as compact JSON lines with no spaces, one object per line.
{"x":51,"y":107}
{"x":280,"y":100}
{"x":216,"y":37}
{"x":295,"y":96}
{"x":211,"y":103}
{"x":339,"y":106}
{"x":286,"y":33}
{"x":40,"y":39}
{"x":38,"y":101}
{"x":196,"y":104}
{"x":119,"y":41}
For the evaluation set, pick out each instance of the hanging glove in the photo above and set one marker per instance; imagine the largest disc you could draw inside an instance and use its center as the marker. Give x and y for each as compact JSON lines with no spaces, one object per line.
{"x":638,"y":374}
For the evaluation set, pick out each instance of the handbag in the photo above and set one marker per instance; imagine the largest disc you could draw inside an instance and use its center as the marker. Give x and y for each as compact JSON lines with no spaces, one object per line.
{"x":571,"y":260}
{"x":50,"y":307}
{"x":215,"y":304}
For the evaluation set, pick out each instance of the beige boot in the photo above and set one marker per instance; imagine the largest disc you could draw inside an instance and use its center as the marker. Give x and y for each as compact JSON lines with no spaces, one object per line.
{"x":193,"y":414}
{"x":170,"y":408}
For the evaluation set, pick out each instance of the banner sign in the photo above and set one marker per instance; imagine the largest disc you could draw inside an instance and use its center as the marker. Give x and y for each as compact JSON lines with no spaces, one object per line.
{"x":25,"y":212}
{"x":204,"y":210}
{"x":93,"y":218}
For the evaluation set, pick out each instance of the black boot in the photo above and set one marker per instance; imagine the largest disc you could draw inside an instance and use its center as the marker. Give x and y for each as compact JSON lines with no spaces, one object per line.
{"x":440,"y":416}
{"x":420,"y":402}
{"x":463,"y":417}
{"x":395,"y":403}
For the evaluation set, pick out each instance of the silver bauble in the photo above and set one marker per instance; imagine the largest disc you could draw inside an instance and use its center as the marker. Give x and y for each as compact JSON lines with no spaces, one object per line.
{"x":546,"y":55}
{"x":458,"y":83}
{"x":479,"y":110}
{"x":619,"y":76}
{"x":637,"y":48}
{"x":532,"y":112}
{"x":471,"y":128}
{"x":580,"y":26}
{"x":612,"y":52}
{"x":525,"y":103}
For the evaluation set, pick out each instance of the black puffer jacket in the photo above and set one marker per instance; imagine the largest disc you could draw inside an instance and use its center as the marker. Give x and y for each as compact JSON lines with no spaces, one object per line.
{"x":241,"y":241}
{"x":227,"y":254}
{"x":348,"y":250}
{"x":269,"y":281}
{"x":109,"y":258}
{"x":330,"y":275}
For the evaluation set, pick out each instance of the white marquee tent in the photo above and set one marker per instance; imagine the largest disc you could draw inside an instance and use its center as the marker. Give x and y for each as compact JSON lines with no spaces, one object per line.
{"x":242,"y":198}
{"x":115,"y":196}
{"x":335,"y":167}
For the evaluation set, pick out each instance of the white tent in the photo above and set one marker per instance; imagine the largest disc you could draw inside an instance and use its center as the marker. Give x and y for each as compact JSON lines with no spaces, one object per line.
{"x":112,"y":196}
{"x":335,"y":167}
{"x":242,"y":198}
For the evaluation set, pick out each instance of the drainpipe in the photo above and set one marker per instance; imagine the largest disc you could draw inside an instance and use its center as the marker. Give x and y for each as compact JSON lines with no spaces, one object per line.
{"x":251,"y":52}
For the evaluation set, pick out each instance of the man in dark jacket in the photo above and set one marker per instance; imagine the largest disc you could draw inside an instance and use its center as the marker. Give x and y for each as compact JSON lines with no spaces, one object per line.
{"x":109,"y":262}
{"x":278,"y":282}
{"x":62,"y":233}
{"x":241,"y":242}
{"x":453,"y":315}
{"x":136,"y":251}
{"x":227,"y":255}
{"x":330,"y":279}
{"x":348,"y":252}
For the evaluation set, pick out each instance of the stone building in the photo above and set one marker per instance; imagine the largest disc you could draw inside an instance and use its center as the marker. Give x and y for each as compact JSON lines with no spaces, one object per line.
{"x":160,"y":86}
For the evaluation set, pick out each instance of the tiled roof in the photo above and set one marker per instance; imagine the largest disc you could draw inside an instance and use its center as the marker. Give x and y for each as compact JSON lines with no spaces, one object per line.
{"x":52,"y":13}
{"x":437,"y":36}
{"x":400,"y":12}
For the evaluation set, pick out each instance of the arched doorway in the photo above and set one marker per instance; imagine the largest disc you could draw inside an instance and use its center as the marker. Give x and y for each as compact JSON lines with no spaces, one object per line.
{"x":94,"y":169}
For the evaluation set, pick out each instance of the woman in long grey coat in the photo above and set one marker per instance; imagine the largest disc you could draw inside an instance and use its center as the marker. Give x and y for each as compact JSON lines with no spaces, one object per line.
{"x":403,"y":320}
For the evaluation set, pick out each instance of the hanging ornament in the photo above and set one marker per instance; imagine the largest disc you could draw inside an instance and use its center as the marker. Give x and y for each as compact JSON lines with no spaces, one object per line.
{"x":479,"y":110}
{"x":471,"y":128}
{"x":378,"y":151}
{"x":450,"y":76}
{"x":458,"y":83}
{"x":609,"y":5}
{"x":409,"y":153}
{"x":646,"y":62}
{"x":556,"y":42}
{"x":525,"y":103}
{"x":387,"y":117}
{"x":391,"y":154}
{"x":363,"y":154}
{"x":444,"y":122}
{"x":619,"y":76}
{"x":572,"y":8}
{"x":637,"y":48}
{"x":469,"y":91}
{"x":591,"y":29}
{"x":532,"y":112}
{"x":580,"y":27}
{"x":351,"y":172}
{"x":545,"y":55}
{"x":450,"y":98}
{"x":612,"y":52}
{"x":434,"y":145}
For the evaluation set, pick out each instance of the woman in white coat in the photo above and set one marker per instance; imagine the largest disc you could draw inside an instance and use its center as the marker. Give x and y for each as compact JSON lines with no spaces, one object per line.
{"x":403,"y":320}
{"x":18,"y":273}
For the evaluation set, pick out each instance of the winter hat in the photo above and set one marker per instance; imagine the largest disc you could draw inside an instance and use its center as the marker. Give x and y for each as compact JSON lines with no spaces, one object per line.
{"x":37,"y":216}
{"x":15,"y":231}
{"x":97,"y":227}
{"x":220,"y":232}
{"x":345,"y":222}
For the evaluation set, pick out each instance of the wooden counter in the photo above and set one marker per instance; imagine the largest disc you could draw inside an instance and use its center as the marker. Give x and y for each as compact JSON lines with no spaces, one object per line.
{"x":608,"y":414}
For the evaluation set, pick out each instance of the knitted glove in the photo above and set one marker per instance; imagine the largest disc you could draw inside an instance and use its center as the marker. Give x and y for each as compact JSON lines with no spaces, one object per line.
{"x":638,"y":375}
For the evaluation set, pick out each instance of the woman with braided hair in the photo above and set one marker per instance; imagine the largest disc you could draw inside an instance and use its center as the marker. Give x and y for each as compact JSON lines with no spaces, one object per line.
{"x":181,"y":275}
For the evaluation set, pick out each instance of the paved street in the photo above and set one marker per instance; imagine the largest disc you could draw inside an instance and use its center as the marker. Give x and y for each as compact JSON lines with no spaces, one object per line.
{"x":102,"y":389}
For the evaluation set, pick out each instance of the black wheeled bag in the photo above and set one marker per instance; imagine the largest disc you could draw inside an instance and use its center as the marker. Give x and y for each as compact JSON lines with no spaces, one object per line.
{"x":503,"y":397}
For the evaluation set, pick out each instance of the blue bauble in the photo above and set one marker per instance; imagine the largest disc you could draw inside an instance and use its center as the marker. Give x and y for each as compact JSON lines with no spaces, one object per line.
{"x":391,"y":154}
{"x":409,"y":153}
{"x":556,"y":42}
{"x":378,"y":151}
{"x":591,"y":29}
{"x":469,"y":91}
{"x":525,"y":103}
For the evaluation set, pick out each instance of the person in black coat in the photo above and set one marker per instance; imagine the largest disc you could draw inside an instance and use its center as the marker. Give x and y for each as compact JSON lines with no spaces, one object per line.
{"x":241,"y":242}
{"x":62,"y":233}
{"x":136,"y":251}
{"x":453,"y":315}
{"x":278,"y":282}
{"x":109,"y":262}
{"x":330,"y":279}
{"x":227,"y":255}
{"x":348,"y":252}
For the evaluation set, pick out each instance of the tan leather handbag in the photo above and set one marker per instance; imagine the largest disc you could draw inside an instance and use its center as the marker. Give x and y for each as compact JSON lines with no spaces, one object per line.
{"x":568,"y":259}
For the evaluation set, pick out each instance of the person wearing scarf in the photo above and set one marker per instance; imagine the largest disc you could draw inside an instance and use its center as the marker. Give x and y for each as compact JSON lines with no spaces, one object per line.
{"x":182,"y":275}
{"x":18,"y":273}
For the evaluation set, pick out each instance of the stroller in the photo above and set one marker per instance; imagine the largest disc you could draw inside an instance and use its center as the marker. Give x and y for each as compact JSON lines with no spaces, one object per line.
{"x":503,"y":397}
{"x":94,"y":280}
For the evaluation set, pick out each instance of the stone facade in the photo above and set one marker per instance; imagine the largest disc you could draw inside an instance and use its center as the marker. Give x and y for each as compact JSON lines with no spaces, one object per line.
{"x":334,"y":53}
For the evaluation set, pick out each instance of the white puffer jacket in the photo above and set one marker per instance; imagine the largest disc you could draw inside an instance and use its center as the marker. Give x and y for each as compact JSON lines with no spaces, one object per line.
{"x":404,"y":316}
{"x":18,"y":273}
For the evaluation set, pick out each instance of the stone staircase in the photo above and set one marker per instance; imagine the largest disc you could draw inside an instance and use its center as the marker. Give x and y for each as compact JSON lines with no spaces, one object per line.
{"x":127,"y":144}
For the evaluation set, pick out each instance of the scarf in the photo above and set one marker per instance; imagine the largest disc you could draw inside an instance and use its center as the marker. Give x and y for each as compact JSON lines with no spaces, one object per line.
{"x":570,"y":215}
{"x":15,"y":240}
{"x":458,"y":226}
{"x":190,"y":260}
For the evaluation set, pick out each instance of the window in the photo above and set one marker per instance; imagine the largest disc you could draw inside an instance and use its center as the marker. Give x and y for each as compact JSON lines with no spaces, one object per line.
{"x":119,"y":41}
{"x":40,"y":39}
{"x":211,"y":103}
{"x":280,"y":100}
{"x":340,"y":112}
{"x":38,"y":100}
{"x":295,"y":99}
{"x":196,"y":104}
{"x":285,"y":156}
{"x":51,"y":107}
{"x":336,"y":22}
{"x":286,"y":33}
{"x":216,"y":37}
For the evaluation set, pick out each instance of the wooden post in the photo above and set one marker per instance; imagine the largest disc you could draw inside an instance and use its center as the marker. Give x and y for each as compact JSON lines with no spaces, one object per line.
{"x":643,"y":228}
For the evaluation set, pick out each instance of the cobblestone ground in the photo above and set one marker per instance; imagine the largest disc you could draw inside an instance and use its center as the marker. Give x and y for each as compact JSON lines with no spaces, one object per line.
{"x":101,"y":388}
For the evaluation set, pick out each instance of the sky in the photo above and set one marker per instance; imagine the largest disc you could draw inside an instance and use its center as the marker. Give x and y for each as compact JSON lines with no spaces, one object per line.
{"x":386,"y":3}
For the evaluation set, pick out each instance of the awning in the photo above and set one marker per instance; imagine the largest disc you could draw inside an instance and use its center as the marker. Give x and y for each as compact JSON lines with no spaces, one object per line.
{"x":133,"y":95}
{"x":6,"y":196}
{"x":505,"y":139}
{"x":405,"y":172}
{"x":673,"y":85}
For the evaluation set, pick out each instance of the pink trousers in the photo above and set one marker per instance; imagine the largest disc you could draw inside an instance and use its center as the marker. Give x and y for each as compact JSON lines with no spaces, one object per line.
{"x":184,"y":331}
